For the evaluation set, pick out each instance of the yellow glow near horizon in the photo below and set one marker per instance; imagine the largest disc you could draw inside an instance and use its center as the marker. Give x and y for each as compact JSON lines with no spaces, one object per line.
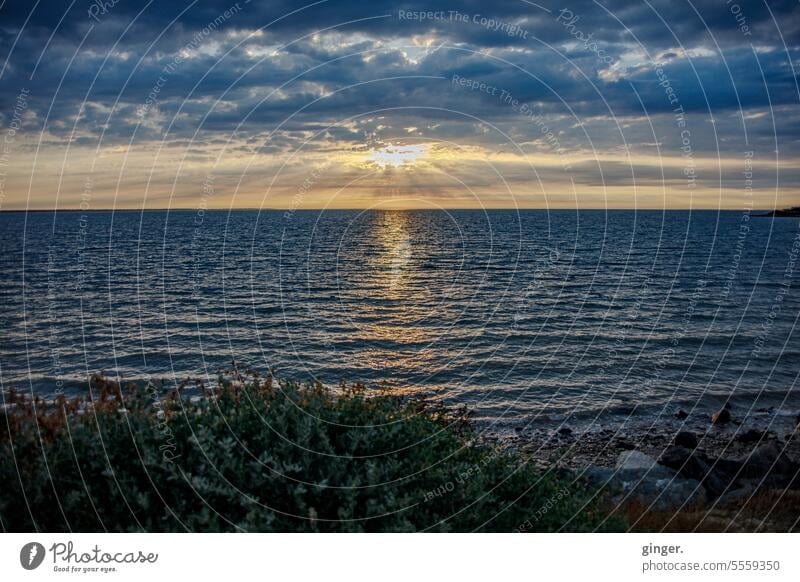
{"x":396,"y":156}
{"x":393,"y":174}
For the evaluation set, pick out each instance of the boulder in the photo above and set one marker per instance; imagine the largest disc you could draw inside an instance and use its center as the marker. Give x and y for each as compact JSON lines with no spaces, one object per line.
{"x":716,"y":475}
{"x":636,"y":465}
{"x":768,"y":459}
{"x":623,"y":444}
{"x":686,"y":439}
{"x":634,"y":461}
{"x":638,"y":477}
{"x":665,"y":494}
{"x":681,"y":414}
{"x":684,"y":475}
{"x":736,"y":497}
{"x":722,"y":416}
{"x":675,"y":457}
{"x":598,"y":476}
{"x":752,"y":436}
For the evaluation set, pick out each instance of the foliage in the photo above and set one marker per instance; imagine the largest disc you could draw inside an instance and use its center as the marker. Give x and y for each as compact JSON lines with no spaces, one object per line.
{"x":255,"y":455}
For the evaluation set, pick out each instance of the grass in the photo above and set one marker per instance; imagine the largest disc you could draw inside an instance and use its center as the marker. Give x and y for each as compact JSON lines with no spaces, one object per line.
{"x":255,"y":455}
{"x":765,"y":511}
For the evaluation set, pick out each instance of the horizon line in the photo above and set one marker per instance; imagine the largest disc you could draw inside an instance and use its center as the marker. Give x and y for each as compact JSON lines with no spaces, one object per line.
{"x":348,"y":209}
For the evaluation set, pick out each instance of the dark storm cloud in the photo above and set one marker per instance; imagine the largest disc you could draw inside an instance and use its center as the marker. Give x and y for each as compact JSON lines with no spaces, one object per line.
{"x":688,"y":21}
{"x":115,"y":68}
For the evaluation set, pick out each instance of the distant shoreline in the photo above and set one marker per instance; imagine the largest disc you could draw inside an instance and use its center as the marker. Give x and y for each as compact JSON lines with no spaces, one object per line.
{"x":784,"y":213}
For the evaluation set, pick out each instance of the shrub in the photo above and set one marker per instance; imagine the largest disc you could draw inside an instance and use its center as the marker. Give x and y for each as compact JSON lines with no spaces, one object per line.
{"x":254,"y":455}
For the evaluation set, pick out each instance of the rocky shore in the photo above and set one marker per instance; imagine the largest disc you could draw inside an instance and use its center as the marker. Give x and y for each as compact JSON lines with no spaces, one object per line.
{"x":718,"y":471}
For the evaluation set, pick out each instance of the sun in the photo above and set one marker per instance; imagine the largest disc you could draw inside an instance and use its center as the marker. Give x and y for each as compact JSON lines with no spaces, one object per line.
{"x":395,"y":156}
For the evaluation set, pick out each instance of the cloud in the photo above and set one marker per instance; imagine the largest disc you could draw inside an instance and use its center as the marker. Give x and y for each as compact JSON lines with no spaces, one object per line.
{"x":211,"y":78}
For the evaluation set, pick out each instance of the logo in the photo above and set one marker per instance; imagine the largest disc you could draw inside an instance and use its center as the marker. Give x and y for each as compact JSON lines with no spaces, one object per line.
{"x":31,"y":555}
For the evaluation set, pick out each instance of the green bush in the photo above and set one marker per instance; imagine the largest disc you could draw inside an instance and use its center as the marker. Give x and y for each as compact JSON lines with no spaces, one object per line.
{"x":252,"y":455}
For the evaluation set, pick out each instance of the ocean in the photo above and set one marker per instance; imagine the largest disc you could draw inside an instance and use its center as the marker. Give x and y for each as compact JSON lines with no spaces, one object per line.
{"x":529,"y":316}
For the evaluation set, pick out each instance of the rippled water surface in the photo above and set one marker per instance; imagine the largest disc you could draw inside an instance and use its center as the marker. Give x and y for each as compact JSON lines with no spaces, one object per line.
{"x":520,"y":315}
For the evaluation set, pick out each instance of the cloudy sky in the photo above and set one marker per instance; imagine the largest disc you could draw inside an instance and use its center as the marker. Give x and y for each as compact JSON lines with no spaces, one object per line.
{"x":354,"y":104}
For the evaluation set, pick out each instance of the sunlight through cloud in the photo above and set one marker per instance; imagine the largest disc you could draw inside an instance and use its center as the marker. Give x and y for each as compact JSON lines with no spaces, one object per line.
{"x":395,"y":156}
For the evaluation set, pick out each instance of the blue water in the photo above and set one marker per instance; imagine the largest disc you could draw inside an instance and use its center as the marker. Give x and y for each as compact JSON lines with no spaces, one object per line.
{"x":519,"y":315}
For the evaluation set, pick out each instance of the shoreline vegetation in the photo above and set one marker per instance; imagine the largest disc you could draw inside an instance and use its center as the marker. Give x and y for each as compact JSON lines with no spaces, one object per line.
{"x":254,"y":454}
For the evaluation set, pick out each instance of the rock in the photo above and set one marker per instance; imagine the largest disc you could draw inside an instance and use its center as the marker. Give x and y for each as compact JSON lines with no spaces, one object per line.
{"x":665,"y":494}
{"x":598,"y":476}
{"x":681,"y":414}
{"x":675,"y":457}
{"x":716,"y":475}
{"x":736,"y":497}
{"x":768,"y":459}
{"x":639,"y":478}
{"x":637,"y":465}
{"x":727,"y":468}
{"x":624,"y":445}
{"x":565,"y":431}
{"x":752,"y":436}
{"x":635,"y":460}
{"x":722,"y":416}
{"x":686,"y":439}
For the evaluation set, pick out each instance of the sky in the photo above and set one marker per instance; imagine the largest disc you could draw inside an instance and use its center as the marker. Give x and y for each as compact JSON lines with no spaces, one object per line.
{"x":130,"y":104}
